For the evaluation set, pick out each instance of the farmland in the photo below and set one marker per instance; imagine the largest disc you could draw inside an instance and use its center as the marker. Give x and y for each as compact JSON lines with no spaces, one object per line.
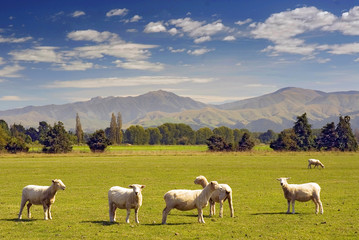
{"x":81,"y":211}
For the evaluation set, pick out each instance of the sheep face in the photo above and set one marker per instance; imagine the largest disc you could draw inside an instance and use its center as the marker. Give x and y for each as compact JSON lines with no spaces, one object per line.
{"x":137,"y":188}
{"x":215,"y":185}
{"x":199,"y":180}
{"x":283,"y":181}
{"x":59,"y":184}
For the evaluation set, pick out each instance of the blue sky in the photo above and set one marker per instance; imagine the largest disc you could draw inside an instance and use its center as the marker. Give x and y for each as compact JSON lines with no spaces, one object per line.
{"x":56,"y":52}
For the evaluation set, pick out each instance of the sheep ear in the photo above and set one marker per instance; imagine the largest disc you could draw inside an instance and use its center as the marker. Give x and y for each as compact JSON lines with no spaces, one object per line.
{"x":143,"y":186}
{"x":53,"y":180}
{"x":130,"y":186}
{"x":278,"y":179}
{"x":288,"y":178}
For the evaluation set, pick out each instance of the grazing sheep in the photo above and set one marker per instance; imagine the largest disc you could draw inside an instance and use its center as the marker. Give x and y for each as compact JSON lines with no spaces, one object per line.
{"x":185,"y":200}
{"x":219,"y":195}
{"x":124,"y":198}
{"x":315,"y":162}
{"x":40,"y":195}
{"x":301,"y":192}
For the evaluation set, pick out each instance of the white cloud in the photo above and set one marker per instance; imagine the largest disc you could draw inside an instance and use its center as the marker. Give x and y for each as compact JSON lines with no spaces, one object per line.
{"x":154,"y":27}
{"x":78,"y":14}
{"x":117,"y":12}
{"x":176,"y":50}
{"x":240,"y":23}
{"x":2,"y":62}
{"x":140,"y":65}
{"x":14,"y":40}
{"x":127,"y":82}
{"x":198,"y":52}
{"x":173,"y":31}
{"x":323,"y":60}
{"x":349,"y":48}
{"x":196,"y":29}
{"x":202,"y":39}
{"x":93,"y":35}
{"x":348,"y":24}
{"x":135,"y":18}
{"x":75,"y":66}
{"x":229,"y":38}
{"x":132,"y":30}
{"x":283,"y":29}
{"x":38,"y":54}
{"x":11,"y":71}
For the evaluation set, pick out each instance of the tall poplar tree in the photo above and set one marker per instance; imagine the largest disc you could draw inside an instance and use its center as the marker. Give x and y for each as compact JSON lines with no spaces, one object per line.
{"x":79,"y":132}
{"x":119,"y":127}
{"x":303,"y":132}
{"x":113,"y":129}
{"x":346,"y":140}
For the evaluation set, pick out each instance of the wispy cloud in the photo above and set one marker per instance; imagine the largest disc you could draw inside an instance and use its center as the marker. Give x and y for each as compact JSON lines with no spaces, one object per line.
{"x":11,"y":98}
{"x":78,"y":14}
{"x":14,"y":40}
{"x":126,"y":82}
{"x":11,"y":71}
{"x":240,"y":23}
{"x":140,"y":65}
{"x":200,"y":51}
{"x":117,"y":12}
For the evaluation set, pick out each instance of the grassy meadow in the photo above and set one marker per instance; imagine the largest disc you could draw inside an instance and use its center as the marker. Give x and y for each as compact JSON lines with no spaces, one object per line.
{"x":81,"y":211}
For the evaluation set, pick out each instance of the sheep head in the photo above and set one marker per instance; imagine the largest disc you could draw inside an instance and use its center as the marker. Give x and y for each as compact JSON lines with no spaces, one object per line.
{"x":201,"y":180}
{"x":137,"y":188}
{"x":58,"y":184}
{"x":215,"y":185}
{"x":283,"y":181}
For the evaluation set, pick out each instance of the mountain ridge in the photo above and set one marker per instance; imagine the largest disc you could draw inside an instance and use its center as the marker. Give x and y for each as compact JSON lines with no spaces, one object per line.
{"x":276,"y":111}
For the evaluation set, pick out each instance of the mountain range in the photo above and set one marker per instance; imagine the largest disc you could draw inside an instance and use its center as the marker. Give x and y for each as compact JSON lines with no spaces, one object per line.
{"x":276,"y":111}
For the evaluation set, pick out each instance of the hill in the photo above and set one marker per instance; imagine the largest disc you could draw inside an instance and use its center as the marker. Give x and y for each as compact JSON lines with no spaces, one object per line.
{"x":276,"y":111}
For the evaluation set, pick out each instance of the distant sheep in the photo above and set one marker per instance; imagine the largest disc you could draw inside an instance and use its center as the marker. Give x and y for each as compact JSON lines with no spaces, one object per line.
{"x":185,"y":200}
{"x":124,"y":198}
{"x":40,"y":195}
{"x":301,"y":192}
{"x":314,"y":162}
{"x":219,"y":195}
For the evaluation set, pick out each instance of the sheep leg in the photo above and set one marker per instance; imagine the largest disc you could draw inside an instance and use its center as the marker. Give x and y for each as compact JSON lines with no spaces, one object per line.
{"x":200,"y":215}
{"x":45,"y":211}
{"x":128,"y":215}
{"x":293,"y":203}
{"x":28,"y":210}
{"x":165,"y":212}
{"x":318,"y":205}
{"x":211,"y":208}
{"x":221,"y":208}
{"x":136,"y":215}
{"x":309,"y":165}
{"x":49,"y":212}
{"x":112,"y":212}
{"x":288,"y":201}
{"x":22,"y":205}
{"x":231,"y":204}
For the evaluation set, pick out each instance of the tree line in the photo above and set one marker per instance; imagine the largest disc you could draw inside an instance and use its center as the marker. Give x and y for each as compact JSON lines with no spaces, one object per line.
{"x":55,"y":139}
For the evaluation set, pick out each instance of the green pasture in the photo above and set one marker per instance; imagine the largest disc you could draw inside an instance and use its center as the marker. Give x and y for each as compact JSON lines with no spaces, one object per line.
{"x":81,"y":211}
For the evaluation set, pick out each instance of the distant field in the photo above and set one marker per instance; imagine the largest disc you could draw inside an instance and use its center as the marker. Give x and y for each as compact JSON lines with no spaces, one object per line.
{"x":81,"y":211}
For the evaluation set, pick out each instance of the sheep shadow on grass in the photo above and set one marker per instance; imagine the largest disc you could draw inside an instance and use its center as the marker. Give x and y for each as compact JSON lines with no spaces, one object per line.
{"x":20,"y":220}
{"x":103,"y":223}
{"x":278,"y":213}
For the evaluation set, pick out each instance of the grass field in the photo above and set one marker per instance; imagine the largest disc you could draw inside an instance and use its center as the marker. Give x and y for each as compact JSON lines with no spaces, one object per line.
{"x":81,"y":211}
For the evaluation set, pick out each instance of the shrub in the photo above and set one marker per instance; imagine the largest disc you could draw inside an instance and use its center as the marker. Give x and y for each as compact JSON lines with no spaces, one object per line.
{"x":98,"y":141}
{"x":218,"y":144}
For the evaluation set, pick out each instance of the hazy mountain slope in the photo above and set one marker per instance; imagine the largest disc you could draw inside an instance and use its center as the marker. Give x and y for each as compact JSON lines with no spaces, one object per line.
{"x":276,"y":111}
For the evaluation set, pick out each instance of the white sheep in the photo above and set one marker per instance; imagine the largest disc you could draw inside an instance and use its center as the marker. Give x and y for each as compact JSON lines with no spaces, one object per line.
{"x":301,"y":192}
{"x":314,"y":162}
{"x":40,"y":195}
{"x":124,"y":198}
{"x":185,"y":200}
{"x":219,"y":195}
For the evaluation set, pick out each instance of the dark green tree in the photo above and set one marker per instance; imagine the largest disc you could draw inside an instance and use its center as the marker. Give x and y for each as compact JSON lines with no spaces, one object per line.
{"x":246,"y":143}
{"x":98,"y":141}
{"x":267,"y":136}
{"x":4,"y":137}
{"x":15,"y":145}
{"x":57,"y":140}
{"x":202,"y":135}
{"x":327,"y":137}
{"x":226,"y":133}
{"x":346,"y":140}
{"x":44,"y":127}
{"x":136,"y":135}
{"x":4,"y":126}
{"x":303,"y":132}
{"x":32,"y":133}
{"x":79,"y":131}
{"x":218,"y":144}
{"x":154,"y":136}
{"x":286,"y":141}
{"x":168,"y":132}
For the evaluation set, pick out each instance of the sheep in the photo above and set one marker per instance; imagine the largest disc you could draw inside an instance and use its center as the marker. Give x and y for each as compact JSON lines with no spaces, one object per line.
{"x":301,"y":192}
{"x":185,"y":200}
{"x":315,"y":162}
{"x":40,"y":195}
{"x":217,"y":196}
{"x":124,"y":198}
